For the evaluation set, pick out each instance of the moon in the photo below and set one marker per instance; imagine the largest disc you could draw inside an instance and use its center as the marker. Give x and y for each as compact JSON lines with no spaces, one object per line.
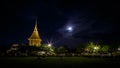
{"x":70,"y":28}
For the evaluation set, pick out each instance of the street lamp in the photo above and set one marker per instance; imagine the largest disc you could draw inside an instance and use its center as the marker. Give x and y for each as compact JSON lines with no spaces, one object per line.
{"x":49,"y":45}
{"x":96,"y":47}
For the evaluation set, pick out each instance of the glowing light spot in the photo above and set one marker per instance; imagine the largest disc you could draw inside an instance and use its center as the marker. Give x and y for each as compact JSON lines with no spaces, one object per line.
{"x":119,"y":49}
{"x":96,"y":47}
{"x":49,"y":44}
{"x":69,"y":28}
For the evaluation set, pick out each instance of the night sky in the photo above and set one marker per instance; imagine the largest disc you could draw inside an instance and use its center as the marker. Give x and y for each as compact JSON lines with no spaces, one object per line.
{"x":90,"y":21}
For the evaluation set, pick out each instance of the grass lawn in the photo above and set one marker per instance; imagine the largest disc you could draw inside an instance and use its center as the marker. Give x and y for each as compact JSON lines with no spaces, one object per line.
{"x":34,"y":62}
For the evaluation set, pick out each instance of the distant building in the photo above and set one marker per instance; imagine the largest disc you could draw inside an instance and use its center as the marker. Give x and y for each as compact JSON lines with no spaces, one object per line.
{"x":13,"y":50}
{"x":34,"y":39}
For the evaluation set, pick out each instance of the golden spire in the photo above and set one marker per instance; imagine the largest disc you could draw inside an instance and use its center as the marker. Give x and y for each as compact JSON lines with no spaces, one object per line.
{"x":36,"y":23}
{"x":35,"y":29}
{"x":34,"y":39}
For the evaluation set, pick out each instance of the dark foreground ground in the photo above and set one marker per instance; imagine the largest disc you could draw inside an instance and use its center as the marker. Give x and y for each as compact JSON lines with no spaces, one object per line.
{"x":57,"y":62}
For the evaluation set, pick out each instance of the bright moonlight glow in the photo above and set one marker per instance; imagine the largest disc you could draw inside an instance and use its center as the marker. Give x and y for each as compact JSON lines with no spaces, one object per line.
{"x":70,"y":28}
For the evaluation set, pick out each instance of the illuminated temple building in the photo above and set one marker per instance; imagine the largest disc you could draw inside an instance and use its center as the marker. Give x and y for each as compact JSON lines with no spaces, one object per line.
{"x":34,"y":39}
